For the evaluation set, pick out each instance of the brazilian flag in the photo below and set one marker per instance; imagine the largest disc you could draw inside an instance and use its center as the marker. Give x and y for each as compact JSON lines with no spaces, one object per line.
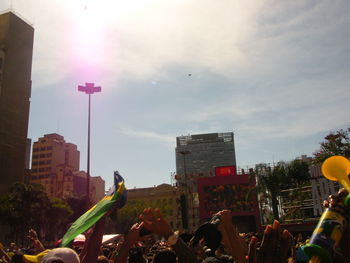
{"x":116,"y":198}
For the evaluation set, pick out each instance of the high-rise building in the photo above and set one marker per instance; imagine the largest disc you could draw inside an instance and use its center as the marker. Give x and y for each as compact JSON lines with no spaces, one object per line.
{"x":52,"y":159}
{"x":199,"y":156}
{"x":16,"y":49}
{"x":201,"y":153}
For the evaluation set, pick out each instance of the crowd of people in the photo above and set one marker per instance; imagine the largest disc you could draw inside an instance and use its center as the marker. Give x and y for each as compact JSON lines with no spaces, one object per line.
{"x":153,"y":240}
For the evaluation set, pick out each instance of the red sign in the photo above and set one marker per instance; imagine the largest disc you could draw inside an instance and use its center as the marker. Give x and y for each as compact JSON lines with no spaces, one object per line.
{"x":225,"y":170}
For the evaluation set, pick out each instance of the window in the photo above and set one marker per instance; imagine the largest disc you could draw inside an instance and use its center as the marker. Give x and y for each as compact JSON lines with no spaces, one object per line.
{"x":35,"y":156}
{"x":42,"y":155}
{"x":48,"y":162}
{"x":35,"y":149}
{"x":42,"y":148}
{"x":41,"y":169}
{"x":48,"y":168}
{"x":49,"y":148}
{"x":34,"y":163}
{"x":49,"y":155}
{"x":41,"y":162}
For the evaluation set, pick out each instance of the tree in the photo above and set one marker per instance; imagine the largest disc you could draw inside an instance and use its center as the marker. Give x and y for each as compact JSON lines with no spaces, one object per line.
{"x":24,"y":208}
{"x":57,"y":216}
{"x":28,"y":206}
{"x":78,"y":206}
{"x":270,"y":181}
{"x":335,"y":143}
{"x":297,"y":173}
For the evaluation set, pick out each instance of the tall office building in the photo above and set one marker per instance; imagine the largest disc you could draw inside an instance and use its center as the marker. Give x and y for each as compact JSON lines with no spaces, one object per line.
{"x":16,"y":49}
{"x":198,"y":156}
{"x":201,"y":153}
{"x":52,"y":159}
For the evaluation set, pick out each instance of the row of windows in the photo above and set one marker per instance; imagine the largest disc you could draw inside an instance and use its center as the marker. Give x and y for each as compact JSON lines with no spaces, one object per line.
{"x":41,"y":177}
{"x":164,"y":201}
{"x":43,"y":169}
{"x":41,"y":163}
{"x":37,"y":149}
{"x":43,"y":155}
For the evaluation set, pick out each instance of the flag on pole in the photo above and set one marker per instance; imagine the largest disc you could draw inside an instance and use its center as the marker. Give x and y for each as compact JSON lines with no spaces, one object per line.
{"x":115,"y":198}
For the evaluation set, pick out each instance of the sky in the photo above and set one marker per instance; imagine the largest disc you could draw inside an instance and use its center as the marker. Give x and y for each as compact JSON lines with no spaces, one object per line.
{"x":276,"y":73}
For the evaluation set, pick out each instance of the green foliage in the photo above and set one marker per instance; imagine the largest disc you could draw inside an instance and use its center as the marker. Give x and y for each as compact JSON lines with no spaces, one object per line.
{"x":335,"y":143}
{"x":272,"y":180}
{"x":28,"y":206}
{"x":57,"y":218}
{"x":297,"y":173}
{"x":78,"y":206}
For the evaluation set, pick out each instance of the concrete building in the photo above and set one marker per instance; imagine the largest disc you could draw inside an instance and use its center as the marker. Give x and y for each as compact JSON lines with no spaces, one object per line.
{"x":16,"y":49}
{"x":52,"y":159}
{"x":78,"y":187}
{"x":197,"y":156}
{"x":163,"y":195}
{"x":201,"y":153}
{"x":55,"y":165}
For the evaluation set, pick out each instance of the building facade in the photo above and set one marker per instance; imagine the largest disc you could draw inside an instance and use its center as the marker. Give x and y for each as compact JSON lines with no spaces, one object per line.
{"x":16,"y":49}
{"x":201,"y":153}
{"x":165,"y":196}
{"x":78,"y":187}
{"x":55,"y":165}
{"x":199,"y":156}
{"x":53,"y":159}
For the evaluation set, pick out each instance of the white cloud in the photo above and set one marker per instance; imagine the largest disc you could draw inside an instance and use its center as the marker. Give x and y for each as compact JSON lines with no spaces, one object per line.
{"x":168,"y":139}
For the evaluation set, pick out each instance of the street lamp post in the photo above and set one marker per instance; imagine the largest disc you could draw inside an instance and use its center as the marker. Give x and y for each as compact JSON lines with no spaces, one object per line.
{"x":89,"y":89}
{"x":184,"y":209}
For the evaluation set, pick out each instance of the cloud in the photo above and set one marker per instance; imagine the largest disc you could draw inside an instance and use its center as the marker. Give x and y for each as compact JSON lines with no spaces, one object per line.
{"x":168,"y":139}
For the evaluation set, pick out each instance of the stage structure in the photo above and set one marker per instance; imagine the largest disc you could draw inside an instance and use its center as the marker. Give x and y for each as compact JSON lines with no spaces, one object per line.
{"x":229,"y":190}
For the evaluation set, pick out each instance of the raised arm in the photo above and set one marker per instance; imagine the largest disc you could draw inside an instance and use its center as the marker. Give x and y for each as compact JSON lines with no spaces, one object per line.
{"x":155,"y":222}
{"x":38,"y":246}
{"x":130,"y":240}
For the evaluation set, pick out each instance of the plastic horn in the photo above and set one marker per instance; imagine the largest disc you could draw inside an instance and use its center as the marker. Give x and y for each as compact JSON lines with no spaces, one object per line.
{"x":314,"y":259}
{"x":337,"y":168}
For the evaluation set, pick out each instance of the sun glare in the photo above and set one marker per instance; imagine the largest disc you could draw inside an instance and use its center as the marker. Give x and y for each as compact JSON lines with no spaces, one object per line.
{"x":93,"y":28}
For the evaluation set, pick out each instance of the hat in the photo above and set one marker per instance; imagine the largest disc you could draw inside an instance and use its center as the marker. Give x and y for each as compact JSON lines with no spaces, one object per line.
{"x":64,"y":254}
{"x":35,"y":258}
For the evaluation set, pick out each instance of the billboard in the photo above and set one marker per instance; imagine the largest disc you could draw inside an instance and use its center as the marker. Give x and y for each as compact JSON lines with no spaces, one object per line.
{"x":225,"y":170}
{"x":231,"y":193}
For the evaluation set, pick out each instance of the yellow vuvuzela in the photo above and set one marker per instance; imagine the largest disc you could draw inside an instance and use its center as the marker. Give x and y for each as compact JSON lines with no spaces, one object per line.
{"x":337,"y":168}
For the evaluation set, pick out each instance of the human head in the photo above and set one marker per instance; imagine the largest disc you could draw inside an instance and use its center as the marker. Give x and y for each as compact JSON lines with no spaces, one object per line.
{"x":62,"y":255}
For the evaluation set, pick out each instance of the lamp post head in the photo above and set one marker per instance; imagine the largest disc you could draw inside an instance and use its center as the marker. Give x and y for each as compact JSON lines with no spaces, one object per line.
{"x":89,"y":88}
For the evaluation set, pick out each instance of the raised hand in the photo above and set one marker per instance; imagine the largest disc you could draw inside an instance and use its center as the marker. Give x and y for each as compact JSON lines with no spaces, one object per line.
{"x":275,"y":246}
{"x":154,"y":222}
